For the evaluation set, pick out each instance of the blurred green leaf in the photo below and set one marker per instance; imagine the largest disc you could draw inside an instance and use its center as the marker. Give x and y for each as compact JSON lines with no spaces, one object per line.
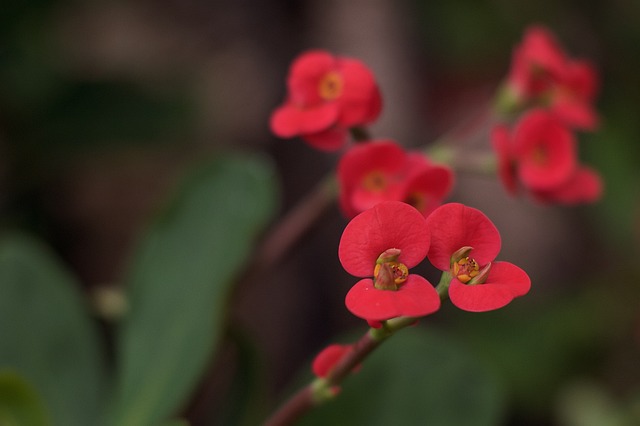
{"x":536,"y":348}
{"x":245,"y":400}
{"x":180,"y":284}
{"x":176,"y":422}
{"x":46,"y":334}
{"x":418,"y":377}
{"x":20,"y":405}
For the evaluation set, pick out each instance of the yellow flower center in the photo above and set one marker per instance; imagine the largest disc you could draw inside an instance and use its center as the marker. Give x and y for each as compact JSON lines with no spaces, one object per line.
{"x":465,"y":269}
{"x":331,"y":86}
{"x":398,"y":272}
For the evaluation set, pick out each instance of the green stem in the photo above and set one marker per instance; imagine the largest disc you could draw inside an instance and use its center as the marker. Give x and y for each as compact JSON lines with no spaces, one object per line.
{"x":443,"y":286}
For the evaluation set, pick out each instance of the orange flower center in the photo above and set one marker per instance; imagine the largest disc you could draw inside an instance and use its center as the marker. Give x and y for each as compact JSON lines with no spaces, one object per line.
{"x":540,"y":155}
{"x":465,"y":269}
{"x":374,"y":181}
{"x":330,"y":86}
{"x":389,"y":275}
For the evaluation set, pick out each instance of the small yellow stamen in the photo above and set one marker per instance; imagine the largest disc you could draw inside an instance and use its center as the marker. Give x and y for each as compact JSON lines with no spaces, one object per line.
{"x":330,"y":86}
{"x":465,"y":269}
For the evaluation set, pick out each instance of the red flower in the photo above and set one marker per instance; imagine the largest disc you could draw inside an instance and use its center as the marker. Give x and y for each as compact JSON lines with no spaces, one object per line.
{"x":542,"y":75}
{"x":326,"y":96}
{"x":328,"y":358}
{"x":541,"y":155}
{"x":384,"y":242}
{"x":544,"y":150}
{"x":464,"y":243}
{"x":379,"y":171}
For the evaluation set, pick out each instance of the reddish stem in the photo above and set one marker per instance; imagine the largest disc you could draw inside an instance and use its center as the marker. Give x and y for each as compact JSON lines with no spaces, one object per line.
{"x":293,"y":409}
{"x":310,"y":396}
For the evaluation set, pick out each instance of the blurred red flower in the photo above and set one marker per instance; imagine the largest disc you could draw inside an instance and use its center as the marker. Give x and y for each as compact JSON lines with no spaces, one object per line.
{"x":327,"y":95}
{"x":464,"y":243}
{"x":377,"y":171}
{"x":541,"y":155}
{"x":384,"y":242}
{"x":542,"y":75}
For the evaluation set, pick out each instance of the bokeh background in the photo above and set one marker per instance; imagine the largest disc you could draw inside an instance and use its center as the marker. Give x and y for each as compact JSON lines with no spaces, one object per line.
{"x":105,"y":104}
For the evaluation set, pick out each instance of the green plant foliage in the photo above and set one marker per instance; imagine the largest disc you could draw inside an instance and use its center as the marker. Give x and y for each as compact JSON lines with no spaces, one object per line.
{"x":180,"y":284}
{"x":417,"y":378}
{"x":19,"y":403}
{"x":536,"y":349}
{"x":46,"y":334}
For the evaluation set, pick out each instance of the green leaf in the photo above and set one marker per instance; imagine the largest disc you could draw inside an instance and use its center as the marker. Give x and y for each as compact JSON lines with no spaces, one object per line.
{"x":180,"y":285}
{"x":46,"y":334}
{"x":19,"y":403}
{"x":418,"y":377}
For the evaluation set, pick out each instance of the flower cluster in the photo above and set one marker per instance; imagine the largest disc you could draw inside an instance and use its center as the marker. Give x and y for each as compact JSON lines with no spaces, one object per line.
{"x":540,"y":154}
{"x":329,"y":97}
{"x":543,"y":75}
{"x":382,"y":244}
{"x":554,"y":95}
{"x":394,"y":198}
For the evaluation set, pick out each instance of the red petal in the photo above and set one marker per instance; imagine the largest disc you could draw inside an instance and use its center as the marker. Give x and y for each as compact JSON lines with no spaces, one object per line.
{"x":360,"y":100}
{"x":415,"y":298}
{"x":454,"y":226}
{"x":288,"y":120}
{"x":542,"y":50}
{"x":318,"y":119}
{"x":537,"y":62}
{"x":283,"y":122}
{"x":391,"y":224}
{"x":584,"y":187}
{"x":425,"y":190}
{"x":576,"y":114}
{"x":545,"y":150}
{"x":582,"y":78}
{"x":328,"y":358}
{"x":572,"y":101}
{"x":305,"y":74}
{"x":505,"y":282}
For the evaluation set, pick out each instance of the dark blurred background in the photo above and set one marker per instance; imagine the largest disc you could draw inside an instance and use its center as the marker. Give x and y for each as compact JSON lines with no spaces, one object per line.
{"x":103,"y":104}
